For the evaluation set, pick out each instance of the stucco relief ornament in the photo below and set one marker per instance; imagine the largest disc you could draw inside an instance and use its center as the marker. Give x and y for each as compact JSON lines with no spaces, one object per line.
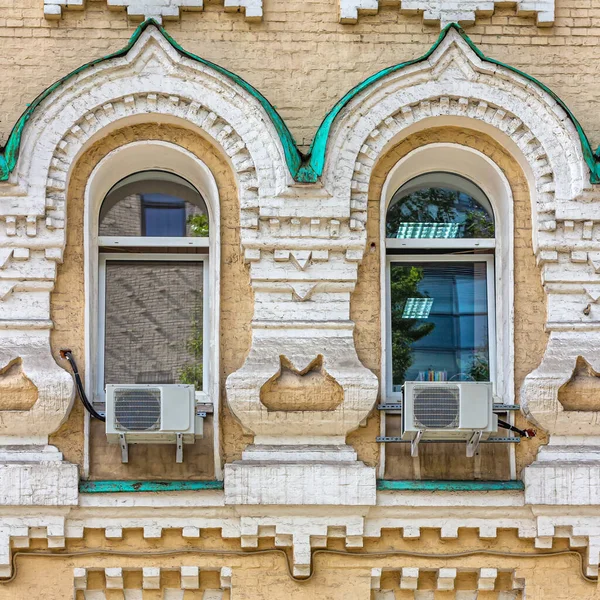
{"x":302,"y":388}
{"x":156,"y":9}
{"x":443,"y":12}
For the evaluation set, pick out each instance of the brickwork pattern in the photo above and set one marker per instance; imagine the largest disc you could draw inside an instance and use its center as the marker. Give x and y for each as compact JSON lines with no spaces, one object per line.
{"x":282,"y":56}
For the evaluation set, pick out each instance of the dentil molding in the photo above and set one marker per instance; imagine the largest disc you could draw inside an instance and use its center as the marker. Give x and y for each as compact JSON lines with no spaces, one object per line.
{"x":156,"y":9}
{"x":442,"y":12}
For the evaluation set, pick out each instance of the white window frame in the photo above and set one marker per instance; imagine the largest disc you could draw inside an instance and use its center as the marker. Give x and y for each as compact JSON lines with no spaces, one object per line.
{"x":488,"y":176}
{"x":491,"y":305}
{"x":134,"y":157}
{"x":104,"y":257}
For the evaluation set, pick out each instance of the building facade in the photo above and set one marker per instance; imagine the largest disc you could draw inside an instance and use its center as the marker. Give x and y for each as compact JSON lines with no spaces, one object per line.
{"x":285,"y":211}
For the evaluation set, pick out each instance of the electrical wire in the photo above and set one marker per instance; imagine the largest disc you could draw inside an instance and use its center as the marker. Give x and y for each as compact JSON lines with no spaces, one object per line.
{"x":68,"y":356}
{"x":526,"y":433}
{"x":314,"y":553}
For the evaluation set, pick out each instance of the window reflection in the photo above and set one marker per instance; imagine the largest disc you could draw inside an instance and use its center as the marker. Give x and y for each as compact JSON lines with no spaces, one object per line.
{"x":439,"y":314}
{"x":153,"y":204}
{"x":439,"y":206}
{"x":154,"y":322}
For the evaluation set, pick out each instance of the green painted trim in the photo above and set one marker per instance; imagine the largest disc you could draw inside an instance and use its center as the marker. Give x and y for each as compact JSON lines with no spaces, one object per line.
{"x":10,"y":152}
{"x":108,"y":487}
{"x":316,"y":156}
{"x":448,"y":486}
{"x":304,"y":169}
{"x":293,"y":156}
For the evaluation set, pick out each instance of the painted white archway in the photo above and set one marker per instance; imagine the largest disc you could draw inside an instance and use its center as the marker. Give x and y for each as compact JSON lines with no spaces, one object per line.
{"x":454,"y":86}
{"x":152,"y":82}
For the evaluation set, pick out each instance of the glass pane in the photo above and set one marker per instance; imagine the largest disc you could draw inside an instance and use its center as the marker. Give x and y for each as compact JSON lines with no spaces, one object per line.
{"x":439,"y":314}
{"x":153,"y":331}
{"x":163,"y":215}
{"x":439,"y":206}
{"x":154,"y":204}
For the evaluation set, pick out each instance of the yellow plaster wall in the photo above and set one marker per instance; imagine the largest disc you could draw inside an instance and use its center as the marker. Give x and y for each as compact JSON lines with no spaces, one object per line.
{"x":299,"y":56}
{"x":448,"y":461}
{"x":236,"y":313}
{"x":67,"y":312}
{"x":265,"y":576}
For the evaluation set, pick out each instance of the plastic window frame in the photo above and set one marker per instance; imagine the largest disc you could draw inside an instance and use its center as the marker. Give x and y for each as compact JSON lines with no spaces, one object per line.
{"x":489,"y":259}
{"x":103,"y":258}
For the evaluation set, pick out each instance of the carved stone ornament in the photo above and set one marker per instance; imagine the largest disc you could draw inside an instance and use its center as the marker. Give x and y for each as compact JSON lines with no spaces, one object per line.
{"x":303,"y":243}
{"x":156,"y":9}
{"x":454,"y":86}
{"x":152,"y":78}
{"x":443,"y":12}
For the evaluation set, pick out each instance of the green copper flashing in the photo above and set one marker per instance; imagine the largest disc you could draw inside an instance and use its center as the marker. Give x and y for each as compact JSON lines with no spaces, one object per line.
{"x":316,"y":157}
{"x":386,"y":485}
{"x":111,"y":487}
{"x":10,"y":153}
{"x":303,"y":168}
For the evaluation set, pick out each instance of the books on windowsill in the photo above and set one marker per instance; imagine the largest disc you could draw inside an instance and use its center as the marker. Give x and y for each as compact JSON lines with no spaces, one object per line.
{"x":432,"y":375}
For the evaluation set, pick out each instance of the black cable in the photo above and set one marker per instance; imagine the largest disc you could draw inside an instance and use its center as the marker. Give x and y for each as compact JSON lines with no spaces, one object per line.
{"x":68,"y":356}
{"x":526,"y":433}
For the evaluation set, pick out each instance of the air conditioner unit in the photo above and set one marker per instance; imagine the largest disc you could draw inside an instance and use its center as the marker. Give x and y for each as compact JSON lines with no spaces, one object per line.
{"x":151,"y":414}
{"x":433,"y":410}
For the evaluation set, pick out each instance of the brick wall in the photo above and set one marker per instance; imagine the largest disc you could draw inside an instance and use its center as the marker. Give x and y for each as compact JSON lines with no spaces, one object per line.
{"x":299,"y":56}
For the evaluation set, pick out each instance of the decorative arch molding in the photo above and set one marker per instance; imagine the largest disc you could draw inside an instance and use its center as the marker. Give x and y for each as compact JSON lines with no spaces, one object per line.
{"x":454,"y":82}
{"x":151,"y":63}
{"x":152,"y":80}
{"x":454,"y":86}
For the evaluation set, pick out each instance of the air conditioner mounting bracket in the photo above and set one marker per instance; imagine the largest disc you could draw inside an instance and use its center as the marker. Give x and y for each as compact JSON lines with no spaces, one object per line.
{"x":179,"y":455}
{"x":124,"y":448}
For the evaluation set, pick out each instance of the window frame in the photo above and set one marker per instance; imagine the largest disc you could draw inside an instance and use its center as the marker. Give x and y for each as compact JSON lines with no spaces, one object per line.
{"x":489,"y":259}
{"x":103,"y":258}
{"x":464,"y":160}
{"x":138,"y":156}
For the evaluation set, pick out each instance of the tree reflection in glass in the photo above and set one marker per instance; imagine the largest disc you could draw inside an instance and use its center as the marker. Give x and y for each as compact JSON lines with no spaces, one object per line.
{"x":439,"y":321}
{"x":405,"y":331}
{"x":455,"y":209}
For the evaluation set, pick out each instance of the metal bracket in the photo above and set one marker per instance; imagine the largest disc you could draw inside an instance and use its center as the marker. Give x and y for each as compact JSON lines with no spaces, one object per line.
{"x":179,"y":456}
{"x":473,"y":444}
{"x":124,"y":448}
{"x":499,"y":407}
{"x":492,"y":440}
{"x":390,"y":406}
{"x":414,"y":444}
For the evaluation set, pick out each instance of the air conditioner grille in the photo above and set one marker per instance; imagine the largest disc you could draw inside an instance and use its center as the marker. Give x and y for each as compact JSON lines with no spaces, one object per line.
{"x":137,"y":409}
{"x":436,"y":407}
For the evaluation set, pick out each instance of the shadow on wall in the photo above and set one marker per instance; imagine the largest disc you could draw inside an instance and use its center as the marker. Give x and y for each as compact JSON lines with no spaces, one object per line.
{"x":311,"y":389}
{"x":582,"y":391}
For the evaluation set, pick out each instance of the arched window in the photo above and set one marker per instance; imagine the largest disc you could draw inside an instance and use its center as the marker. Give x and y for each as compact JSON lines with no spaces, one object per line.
{"x":153,"y":277}
{"x":440,"y":240}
